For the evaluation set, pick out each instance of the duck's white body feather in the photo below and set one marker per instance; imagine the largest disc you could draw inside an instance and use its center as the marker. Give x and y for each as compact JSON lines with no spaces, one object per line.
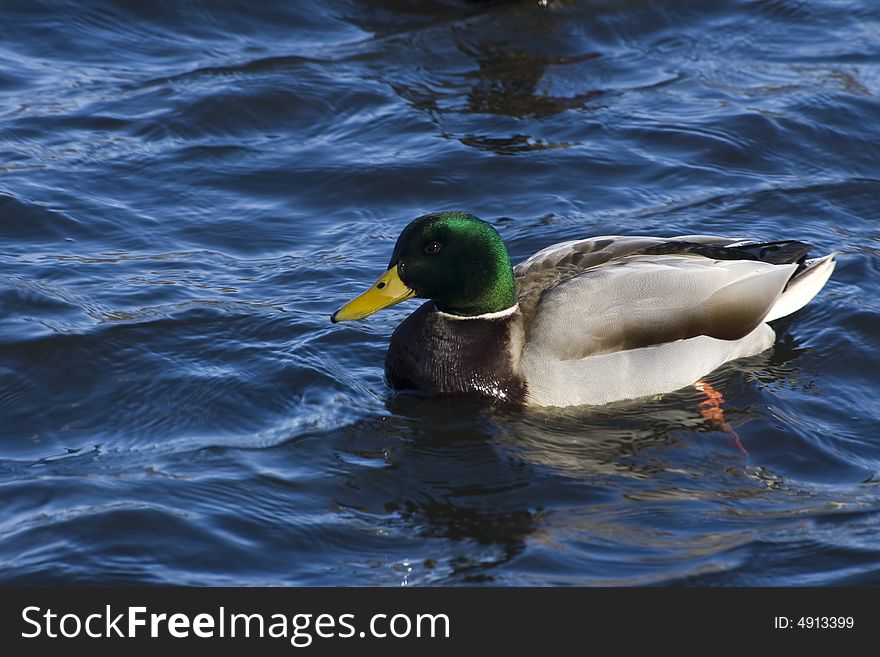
{"x":621,"y":325}
{"x":635,"y":372}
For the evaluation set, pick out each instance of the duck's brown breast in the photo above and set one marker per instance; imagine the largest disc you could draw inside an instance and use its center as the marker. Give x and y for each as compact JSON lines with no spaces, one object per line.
{"x":434,"y":353}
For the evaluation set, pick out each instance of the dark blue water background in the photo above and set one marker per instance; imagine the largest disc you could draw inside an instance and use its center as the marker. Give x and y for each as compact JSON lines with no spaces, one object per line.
{"x":189,"y":189}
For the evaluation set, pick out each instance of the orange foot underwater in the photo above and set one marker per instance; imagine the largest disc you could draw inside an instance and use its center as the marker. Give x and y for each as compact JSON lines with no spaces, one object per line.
{"x":710,"y":408}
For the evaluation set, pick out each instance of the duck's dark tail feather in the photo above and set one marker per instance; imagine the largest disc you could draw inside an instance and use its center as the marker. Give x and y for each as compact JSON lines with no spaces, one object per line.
{"x":785,"y":252}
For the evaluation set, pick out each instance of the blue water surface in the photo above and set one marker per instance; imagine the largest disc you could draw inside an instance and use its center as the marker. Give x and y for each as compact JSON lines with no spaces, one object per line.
{"x":189,"y":189}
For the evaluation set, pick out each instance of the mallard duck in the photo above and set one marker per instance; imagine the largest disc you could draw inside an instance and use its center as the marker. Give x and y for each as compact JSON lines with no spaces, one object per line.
{"x":589,"y":321}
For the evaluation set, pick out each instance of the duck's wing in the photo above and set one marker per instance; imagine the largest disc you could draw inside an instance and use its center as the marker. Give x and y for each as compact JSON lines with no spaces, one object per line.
{"x":639,"y":301}
{"x":613,"y":294}
{"x":561,"y":262}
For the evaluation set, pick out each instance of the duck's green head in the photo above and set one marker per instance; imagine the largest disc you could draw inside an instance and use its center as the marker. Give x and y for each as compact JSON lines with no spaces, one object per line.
{"x":452,"y":258}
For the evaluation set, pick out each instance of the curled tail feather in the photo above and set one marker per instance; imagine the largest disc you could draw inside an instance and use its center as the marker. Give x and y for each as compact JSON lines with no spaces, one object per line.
{"x":803,"y":286}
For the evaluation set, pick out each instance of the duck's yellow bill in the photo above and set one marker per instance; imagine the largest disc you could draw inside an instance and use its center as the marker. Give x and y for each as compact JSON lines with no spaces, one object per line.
{"x":387,"y":291}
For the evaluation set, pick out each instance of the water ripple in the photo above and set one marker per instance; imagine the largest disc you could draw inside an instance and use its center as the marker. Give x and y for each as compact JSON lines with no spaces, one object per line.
{"x":187,"y":190}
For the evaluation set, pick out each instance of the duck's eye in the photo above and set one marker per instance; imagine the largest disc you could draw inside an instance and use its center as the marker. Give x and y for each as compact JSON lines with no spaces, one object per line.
{"x":432,"y":247}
